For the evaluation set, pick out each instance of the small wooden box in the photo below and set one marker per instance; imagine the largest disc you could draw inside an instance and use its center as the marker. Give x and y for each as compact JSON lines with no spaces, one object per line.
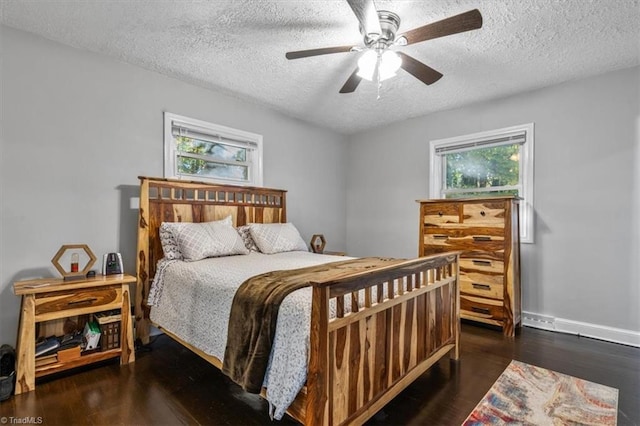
{"x":110,"y":335}
{"x":109,"y":323}
{"x":69,"y":354}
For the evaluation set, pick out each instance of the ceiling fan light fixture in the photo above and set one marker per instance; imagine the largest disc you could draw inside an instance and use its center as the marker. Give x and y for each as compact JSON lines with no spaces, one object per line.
{"x":367,"y":64}
{"x":386,"y":64}
{"x":390,"y":63}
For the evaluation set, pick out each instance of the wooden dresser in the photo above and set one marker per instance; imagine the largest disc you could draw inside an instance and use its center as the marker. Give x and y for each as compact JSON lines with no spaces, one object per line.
{"x":486,"y":230}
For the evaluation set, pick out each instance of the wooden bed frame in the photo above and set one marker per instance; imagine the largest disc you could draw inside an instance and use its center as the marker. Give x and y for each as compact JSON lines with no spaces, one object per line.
{"x":358,"y":361}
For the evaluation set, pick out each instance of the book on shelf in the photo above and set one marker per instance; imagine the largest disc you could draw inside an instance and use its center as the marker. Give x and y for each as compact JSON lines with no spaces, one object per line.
{"x":70,"y":340}
{"x":46,"y":346}
{"x":46,"y":360}
{"x":53,"y":344}
{"x":107,"y":316}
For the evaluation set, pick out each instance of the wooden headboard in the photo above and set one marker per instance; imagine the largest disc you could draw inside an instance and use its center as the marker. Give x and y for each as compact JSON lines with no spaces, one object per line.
{"x":170,"y":200}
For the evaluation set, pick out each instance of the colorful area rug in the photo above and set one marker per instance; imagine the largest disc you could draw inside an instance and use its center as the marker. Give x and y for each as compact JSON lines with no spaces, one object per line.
{"x":529,"y":395}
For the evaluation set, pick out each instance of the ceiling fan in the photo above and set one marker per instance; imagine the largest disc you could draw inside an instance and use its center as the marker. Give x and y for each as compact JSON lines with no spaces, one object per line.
{"x":379,"y":28}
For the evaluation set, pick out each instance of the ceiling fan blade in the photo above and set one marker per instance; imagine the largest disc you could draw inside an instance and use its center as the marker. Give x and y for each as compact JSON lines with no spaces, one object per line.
{"x":315,"y":52}
{"x":419,"y":70}
{"x":467,"y":21}
{"x":352,"y":83}
{"x":365,"y":11}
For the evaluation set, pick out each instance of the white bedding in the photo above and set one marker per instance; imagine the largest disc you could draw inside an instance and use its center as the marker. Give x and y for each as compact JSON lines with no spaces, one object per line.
{"x":194,"y":303}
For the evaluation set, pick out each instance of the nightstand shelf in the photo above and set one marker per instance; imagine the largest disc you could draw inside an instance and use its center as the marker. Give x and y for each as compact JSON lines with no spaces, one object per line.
{"x":57,"y":367}
{"x":50,"y":300}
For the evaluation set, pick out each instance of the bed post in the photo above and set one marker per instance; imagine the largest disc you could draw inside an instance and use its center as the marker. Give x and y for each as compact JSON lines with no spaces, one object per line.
{"x":455,"y":352}
{"x":142,"y":266}
{"x":317,"y":410}
{"x":283,"y":208}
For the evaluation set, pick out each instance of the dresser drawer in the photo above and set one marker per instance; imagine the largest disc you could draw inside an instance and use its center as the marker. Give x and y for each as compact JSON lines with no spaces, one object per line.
{"x":439,"y":214}
{"x":482,"y":263}
{"x":484,"y":285}
{"x":487,"y":214}
{"x":463,"y":239}
{"x":480,"y":308}
{"x":62,"y":302}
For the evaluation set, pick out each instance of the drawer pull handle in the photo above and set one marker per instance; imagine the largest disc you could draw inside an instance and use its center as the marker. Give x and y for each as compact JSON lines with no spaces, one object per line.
{"x":482,"y":262}
{"x":481,"y":238}
{"x":440,"y":237}
{"x":440,"y":214}
{"x":482,"y":213}
{"x":481,"y":286}
{"x":80,"y":302}
{"x":485,"y":311}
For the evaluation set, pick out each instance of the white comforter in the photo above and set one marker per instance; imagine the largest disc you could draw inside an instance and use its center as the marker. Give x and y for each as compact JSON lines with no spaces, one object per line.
{"x":193,"y":301}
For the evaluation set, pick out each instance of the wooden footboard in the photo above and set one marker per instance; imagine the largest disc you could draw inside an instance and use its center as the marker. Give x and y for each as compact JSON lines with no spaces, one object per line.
{"x":360,"y":360}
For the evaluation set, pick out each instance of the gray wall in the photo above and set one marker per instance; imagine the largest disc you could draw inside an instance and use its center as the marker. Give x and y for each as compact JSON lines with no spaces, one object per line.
{"x":584,"y":263}
{"x":79,"y":128}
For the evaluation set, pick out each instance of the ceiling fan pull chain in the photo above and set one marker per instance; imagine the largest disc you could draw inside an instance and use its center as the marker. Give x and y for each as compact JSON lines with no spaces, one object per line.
{"x":378,"y":77}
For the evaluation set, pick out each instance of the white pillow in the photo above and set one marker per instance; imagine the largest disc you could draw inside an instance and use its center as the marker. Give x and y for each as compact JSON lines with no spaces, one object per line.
{"x":168,"y":231}
{"x":168,"y":240}
{"x":245,"y":233}
{"x":210,"y":239}
{"x":277,"y":237}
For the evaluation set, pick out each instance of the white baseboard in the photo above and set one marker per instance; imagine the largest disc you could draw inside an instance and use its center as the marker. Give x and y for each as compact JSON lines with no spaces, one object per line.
{"x":601,"y":332}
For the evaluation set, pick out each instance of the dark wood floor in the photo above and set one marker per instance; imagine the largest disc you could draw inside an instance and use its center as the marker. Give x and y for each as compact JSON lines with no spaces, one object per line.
{"x":169,"y":385}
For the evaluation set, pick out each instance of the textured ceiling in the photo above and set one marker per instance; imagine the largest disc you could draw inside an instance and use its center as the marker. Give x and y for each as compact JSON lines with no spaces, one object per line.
{"x":238,"y":47}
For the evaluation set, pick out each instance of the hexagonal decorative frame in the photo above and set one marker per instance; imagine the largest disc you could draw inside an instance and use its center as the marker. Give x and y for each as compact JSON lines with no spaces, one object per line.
{"x":73,"y":275}
{"x":318,"y":243}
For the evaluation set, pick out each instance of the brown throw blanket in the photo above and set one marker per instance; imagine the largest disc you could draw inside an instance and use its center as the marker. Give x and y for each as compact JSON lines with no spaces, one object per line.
{"x":254,"y":311}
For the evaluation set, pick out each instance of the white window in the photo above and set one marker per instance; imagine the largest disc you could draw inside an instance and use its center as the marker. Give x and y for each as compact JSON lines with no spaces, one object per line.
{"x":199,"y":150}
{"x":498,"y":162}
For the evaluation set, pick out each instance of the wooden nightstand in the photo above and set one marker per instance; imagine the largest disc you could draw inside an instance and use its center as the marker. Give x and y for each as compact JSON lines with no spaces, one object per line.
{"x":49,"y":300}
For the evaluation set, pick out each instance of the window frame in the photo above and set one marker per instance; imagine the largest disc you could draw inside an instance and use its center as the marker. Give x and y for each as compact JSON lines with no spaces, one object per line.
{"x":437,"y":169}
{"x":254,"y":163}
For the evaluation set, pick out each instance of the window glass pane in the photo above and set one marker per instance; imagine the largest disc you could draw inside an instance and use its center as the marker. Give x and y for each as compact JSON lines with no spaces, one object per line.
{"x":221,"y":151}
{"x":211,"y":169}
{"x":472,"y":194}
{"x":483,"y":168}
